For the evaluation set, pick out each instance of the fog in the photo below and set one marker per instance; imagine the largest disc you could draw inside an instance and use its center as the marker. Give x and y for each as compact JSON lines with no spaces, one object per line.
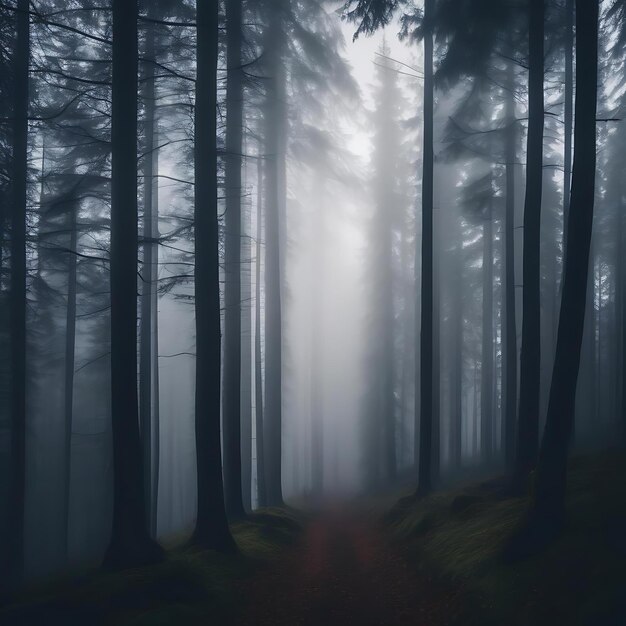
{"x":314,"y":250}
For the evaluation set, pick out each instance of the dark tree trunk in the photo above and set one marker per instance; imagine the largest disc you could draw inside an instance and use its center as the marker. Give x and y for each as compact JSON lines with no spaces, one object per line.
{"x":246,"y":366}
{"x":407,"y":344}
{"x":510,"y":316}
{"x":317,"y":410}
{"x":530,"y":360}
{"x":246,"y":357}
{"x":17,"y":486}
{"x":211,"y":530}
{"x":231,"y":403}
{"x":568,"y":118}
{"x":275,"y":117}
{"x":622,"y":287}
{"x":388,"y":404}
{"x":70,"y":356}
{"x":549,"y":499}
{"x":154,"y":294}
{"x":426,"y":331}
{"x":258,"y":355}
{"x":317,"y":355}
{"x":457,"y":406}
{"x":148,"y":399}
{"x":130,"y":543}
{"x":436,"y":364}
{"x":486,"y":369}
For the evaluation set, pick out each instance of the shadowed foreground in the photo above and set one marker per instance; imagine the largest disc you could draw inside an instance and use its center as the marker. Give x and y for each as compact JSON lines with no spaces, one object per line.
{"x":345,"y":572}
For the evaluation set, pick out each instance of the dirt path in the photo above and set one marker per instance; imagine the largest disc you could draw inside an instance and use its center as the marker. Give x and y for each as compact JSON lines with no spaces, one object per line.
{"x":343,"y":572}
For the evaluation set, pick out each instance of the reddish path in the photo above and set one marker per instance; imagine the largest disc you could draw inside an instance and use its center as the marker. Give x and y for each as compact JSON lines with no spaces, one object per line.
{"x":343,"y":572}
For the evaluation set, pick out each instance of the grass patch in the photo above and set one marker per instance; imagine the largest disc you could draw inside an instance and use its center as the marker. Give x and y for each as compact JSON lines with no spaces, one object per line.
{"x":190,"y":587}
{"x":578,"y":580}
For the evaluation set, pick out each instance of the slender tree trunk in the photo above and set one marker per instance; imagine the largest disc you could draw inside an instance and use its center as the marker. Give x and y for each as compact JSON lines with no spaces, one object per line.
{"x":549,"y":500}
{"x":622,"y":287}
{"x":70,"y":356}
{"x":130,"y":543}
{"x":568,"y":118}
{"x":475,"y":411}
{"x":457,"y":406}
{"x":154,"y":306}
{"x":275,"y":116}
{"x":17,"y":487}
{"x":510,"y":315}
{"x":231,"y":403}
{"x":426,"y":330}
{"x":436,"y":364}
{"x":246,"y":359}
{"x":486,"y":377}
{"x":211,"y":530}
{"x":258,"y":355}
{"x":317,"y":412}
{"x":387,"y":374}
{"x":146,"y":392}
{"x":530,"y":363}
{"x":407,"y":344}
{"x":317,"y":353}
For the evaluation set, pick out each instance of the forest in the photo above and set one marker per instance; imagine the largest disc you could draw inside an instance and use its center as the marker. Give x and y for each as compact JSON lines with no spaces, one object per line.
{"x":312,"y":312}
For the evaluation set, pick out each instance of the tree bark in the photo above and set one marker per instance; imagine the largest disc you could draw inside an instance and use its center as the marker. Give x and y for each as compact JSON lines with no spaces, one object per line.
{"x":211,"y":530}
{"x":147,"y":372}
{"x":246,"y":355}
{"x":231,"y":403}
{"x":425,"y":381}
{"x":69,"y":365}
{"x":457,"y":406}
{"x":568,"y":117}
{"x":275,"y":117}
{"x":530,"y":360}
{"x":510,"y":314}
{"x":17,"y":487}
{"x":258,"y":354}
{"x":130,"y":543}
{"x":549,"y":500}
{"x":436,"y":363}
{"x":486,"y":370}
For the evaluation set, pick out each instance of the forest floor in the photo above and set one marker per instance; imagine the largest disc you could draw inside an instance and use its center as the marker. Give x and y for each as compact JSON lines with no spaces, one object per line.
{"x":440,"y":560}
{"x":344,"y":571}
{"x":430,"y":562}
{"x":460,"y":536}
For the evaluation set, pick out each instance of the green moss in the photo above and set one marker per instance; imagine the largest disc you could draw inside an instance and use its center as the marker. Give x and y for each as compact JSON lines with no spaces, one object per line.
{"x":187,"y":588}
{"x":579,"y":579}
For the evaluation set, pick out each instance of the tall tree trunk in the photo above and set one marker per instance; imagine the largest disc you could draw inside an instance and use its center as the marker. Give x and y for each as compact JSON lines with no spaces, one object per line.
{"x":317,"y":350}
{"x":130,"y":543}
{"x":510,"y":314}
{"x":436,"y":363}
{"x":258,"y":355}
{"x":231,"y":403}
{"x":426,"y":330}
{"x":275,"y":116}
{"x":15,"y":549}
{"x":154,"y":307}
{"x":246,"y":358}
{"x":568,"y":118}
{"x":622,"y":287}
{"x":70,"y":357}
{"x":407,"y":342}
{"x":456,"y":443}
{"x":147,"y":398}
{"x":486,"y":376}
{"x":548,"y":504}
{"x":530,"y":360}
{"x":388,"y":404}
{"x":211,"y":530}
